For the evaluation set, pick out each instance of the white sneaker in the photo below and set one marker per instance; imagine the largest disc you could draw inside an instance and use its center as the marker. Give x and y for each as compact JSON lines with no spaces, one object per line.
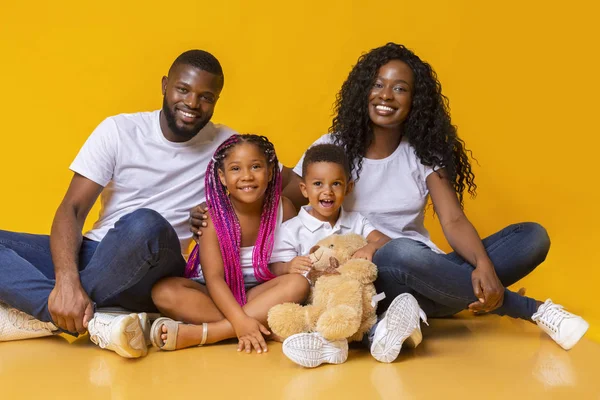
{"x":562,"y":326}
{"x":16,"y":325}
{"x":311,"y":350}
{"x":401,"y":322}
{"x":145,"y":324}
{"x":122,"y":334}
{"x":145,"y":319}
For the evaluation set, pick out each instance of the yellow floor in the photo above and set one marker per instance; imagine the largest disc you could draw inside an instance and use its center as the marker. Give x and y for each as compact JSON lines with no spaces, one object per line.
{"x":464,"y":357}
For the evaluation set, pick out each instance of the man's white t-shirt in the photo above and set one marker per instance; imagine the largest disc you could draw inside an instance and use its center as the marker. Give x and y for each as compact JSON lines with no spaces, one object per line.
{"x":138,"y":167}
{"x":298,"y":235}
{"x":391,"y":193}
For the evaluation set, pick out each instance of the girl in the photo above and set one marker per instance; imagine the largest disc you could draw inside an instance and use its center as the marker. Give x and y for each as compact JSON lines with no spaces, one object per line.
{"x":393,"y":120}
{"x":234,"y":289}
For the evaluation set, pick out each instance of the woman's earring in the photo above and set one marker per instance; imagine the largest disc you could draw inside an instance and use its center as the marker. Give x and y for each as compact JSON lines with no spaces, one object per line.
{"x":227,"y":192}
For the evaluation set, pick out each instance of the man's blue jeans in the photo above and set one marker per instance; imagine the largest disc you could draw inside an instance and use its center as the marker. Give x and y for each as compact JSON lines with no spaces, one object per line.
{"x":120,"y":270}
{"x":442,"y":283}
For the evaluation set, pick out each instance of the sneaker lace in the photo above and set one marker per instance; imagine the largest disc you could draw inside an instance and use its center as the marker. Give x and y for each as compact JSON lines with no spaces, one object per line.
{"x":553,"y":316}
{"x":99,"y":329}
{"x":24,"y":321}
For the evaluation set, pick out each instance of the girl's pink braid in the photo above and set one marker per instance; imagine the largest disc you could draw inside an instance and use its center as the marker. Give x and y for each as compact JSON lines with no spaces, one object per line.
{"x":226,"y":222}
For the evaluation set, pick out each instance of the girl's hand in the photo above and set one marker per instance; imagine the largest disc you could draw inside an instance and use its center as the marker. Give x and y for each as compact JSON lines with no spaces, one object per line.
{"x":299,"y":265}
{"x":366,"y":252}
{"x":250,"y":334}
{"x":487,"y":288}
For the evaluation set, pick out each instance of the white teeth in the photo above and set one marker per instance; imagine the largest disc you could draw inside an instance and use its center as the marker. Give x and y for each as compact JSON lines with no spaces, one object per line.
{"x":188,"y":115}
{"x":384,"y":108}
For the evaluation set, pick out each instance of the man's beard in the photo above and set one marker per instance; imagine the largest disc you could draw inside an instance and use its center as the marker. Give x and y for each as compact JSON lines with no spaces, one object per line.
{"x":186,"y":133}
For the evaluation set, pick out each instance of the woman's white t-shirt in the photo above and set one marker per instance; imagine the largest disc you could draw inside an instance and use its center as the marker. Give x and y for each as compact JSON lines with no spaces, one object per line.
{"x":391,"y":193}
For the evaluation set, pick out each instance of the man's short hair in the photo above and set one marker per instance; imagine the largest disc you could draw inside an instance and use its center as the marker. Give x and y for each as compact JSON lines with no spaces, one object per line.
{"x":200,"y":59}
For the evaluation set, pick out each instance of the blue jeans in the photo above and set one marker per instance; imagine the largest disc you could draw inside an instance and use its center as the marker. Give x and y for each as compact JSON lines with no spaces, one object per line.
{"x":441,"y":283}
{"x":120,"y":270}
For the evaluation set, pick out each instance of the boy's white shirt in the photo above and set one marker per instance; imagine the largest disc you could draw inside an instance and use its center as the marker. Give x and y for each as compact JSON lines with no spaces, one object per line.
{"x":392,"y":193}
{"x":298,"y":235}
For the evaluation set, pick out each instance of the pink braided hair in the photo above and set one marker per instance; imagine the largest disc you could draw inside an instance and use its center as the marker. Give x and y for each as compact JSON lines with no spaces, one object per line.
{"x":227,"y":225}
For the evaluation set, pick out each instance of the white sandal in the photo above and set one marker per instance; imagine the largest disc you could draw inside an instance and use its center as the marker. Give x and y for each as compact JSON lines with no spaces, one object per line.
{"x":172,"y":328}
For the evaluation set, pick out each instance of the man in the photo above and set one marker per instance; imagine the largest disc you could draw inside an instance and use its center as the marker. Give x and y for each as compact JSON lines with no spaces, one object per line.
{"x":148,"y":169}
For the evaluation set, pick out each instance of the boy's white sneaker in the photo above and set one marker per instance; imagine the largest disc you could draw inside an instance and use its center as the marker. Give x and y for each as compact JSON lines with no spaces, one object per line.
{"x":17,"y":325}
{"x":563,"y":327}
{"x":122,"y":334}
{"x":311,"y":350}
{"x":400,"y":323}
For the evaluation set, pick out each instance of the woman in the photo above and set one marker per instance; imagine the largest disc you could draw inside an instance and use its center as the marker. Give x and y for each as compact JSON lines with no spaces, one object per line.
{"x":394,"y":122}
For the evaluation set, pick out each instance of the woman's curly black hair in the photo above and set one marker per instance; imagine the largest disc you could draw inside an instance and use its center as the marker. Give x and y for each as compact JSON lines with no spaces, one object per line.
{"x":427,"y":127}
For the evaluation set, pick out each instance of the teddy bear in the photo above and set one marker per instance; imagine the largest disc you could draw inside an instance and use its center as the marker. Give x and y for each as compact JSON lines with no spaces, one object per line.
{"x":341,"y":304}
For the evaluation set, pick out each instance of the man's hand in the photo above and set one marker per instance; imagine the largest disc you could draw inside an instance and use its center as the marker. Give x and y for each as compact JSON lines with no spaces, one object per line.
{"x":197,"y":220}
{"x":487,"y":288}
{"x":70,"y":307}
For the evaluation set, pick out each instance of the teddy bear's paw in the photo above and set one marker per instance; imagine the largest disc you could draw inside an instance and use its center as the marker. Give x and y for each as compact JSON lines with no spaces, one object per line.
{"x":363,"y":271}
{"x":339,"y":322}
{"x":287,"y":319}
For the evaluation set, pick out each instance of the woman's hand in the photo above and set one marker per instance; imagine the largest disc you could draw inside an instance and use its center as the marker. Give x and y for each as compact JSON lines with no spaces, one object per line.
{"x":197,"y":220}
{"x":365,"y":252}
{"x":250,"y":334}
{"x":487,"y":288}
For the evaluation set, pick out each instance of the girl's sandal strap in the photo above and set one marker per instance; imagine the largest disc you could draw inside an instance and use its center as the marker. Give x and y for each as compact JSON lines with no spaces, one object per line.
{"x":156,"y":332}
{"x":204,"y":333}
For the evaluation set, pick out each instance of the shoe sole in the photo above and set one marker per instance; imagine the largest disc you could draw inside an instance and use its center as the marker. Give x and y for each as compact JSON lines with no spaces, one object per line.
{"x":127,"y":337}
{"x":398,"y":325}
{"x":310,"y":350}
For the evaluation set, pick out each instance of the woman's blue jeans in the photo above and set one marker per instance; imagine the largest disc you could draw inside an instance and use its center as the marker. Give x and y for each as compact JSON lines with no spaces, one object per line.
{"x":441,"y":283}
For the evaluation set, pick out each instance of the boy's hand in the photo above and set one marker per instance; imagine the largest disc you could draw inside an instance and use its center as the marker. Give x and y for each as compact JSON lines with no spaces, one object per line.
{"x":299,"y":265}
{"x":250,"y":334}
{"x":366,"y":252}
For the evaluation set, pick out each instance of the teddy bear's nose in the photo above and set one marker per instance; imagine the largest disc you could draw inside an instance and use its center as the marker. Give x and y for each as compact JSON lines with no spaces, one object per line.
{"x":313,"y":249}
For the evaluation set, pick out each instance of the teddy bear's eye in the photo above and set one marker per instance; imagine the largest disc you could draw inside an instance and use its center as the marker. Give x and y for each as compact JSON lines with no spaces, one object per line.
{"x":331,"y":246}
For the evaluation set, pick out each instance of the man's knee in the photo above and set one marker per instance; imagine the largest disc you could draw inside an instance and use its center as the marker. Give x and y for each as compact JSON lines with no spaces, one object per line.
{"x":147,"y":221}
{"x":148,"y":224}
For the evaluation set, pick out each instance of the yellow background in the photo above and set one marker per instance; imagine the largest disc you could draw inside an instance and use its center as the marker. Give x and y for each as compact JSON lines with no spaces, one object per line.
{"x":522,"y":78}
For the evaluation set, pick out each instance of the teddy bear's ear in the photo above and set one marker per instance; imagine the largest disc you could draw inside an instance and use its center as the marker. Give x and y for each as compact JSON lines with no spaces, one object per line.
{"x":333,"y":262}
